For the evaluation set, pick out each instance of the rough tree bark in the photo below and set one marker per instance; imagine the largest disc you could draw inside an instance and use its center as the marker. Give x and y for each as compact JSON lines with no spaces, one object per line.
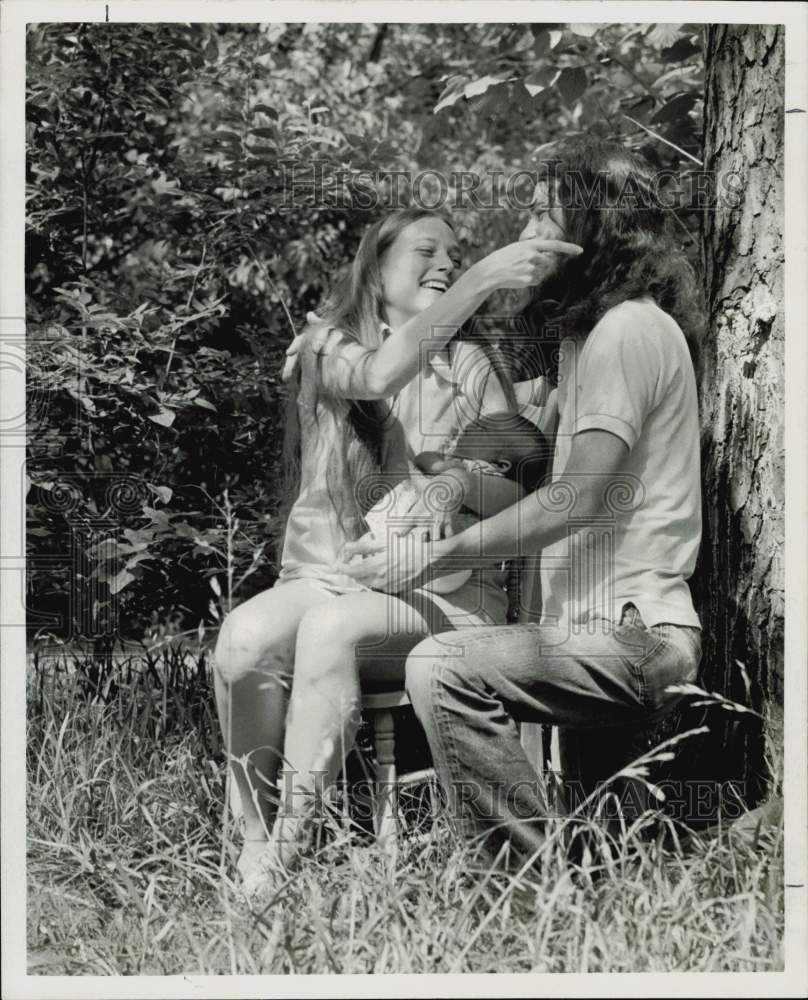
{"x":740,"y":578}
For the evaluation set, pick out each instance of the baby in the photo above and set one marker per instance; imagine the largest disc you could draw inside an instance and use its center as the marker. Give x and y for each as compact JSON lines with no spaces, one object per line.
{"x":497,"y":444}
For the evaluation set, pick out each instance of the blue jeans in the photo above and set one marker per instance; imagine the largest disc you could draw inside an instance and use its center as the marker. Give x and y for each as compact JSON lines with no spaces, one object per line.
{"x":602,"y":684}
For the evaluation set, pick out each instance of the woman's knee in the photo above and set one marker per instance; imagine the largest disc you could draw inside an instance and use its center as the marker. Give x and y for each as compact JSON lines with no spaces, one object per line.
{"x":326,"y":641}
{"x":249,"y":644}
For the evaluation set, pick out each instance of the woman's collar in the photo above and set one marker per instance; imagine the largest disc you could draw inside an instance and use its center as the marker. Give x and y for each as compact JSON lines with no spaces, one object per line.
{"x":439,"y":362}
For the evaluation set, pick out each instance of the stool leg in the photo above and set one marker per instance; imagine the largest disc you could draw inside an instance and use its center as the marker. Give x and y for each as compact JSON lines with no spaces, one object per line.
{"x":530,"y":736}
{"x":384,"y":738}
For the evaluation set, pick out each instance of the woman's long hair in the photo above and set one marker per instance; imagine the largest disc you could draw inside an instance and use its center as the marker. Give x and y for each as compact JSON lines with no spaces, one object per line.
{"x":612,"y":208}
{"x":356,"y":307}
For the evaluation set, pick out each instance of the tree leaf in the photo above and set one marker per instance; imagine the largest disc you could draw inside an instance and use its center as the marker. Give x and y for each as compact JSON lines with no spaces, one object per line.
{"x":165,"y":417}
{"x":676,"y":108}
{"x":121,"y":580}
{"x":542,"y":27}
{"x":478,"y":87}
{"x":584,"y":30}
{"x":540,"y":79}
{"x":541,"y":43}
{"x":571,"y":83}
{"x":681,"y":50}
{"x":163,"y":492}
{"x":107,"y":548}
{"x":641,"y":110}
{"x":662,"y":36}
{"x":451,"y":94}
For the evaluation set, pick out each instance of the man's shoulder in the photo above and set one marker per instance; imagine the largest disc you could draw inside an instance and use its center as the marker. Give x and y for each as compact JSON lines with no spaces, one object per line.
{"x":637,"y":326}
{"x":637,"y":317}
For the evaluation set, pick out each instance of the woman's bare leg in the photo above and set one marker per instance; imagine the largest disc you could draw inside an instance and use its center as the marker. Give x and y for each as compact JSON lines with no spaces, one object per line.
{"x":338,"y":643}
{"x":253,"y":672}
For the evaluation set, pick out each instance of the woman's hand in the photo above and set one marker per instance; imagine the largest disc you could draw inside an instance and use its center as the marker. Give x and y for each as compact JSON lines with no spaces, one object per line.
{"x":292,"y":358}
{"x":431,"y":515}
{"x":442,"y":497}
{"x":522,"y":264}
{"x":390,"y":564}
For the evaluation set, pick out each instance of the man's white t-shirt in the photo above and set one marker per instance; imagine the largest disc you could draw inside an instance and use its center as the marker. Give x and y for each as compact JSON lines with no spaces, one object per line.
{"x":632,"y":377}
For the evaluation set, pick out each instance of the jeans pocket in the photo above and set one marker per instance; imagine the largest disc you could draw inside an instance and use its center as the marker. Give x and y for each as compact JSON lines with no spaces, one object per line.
{"x":639,"y":642}
{"x":674,"y":662}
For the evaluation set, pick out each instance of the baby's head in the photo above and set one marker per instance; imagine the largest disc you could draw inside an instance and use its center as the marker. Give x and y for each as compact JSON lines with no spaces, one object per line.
{"x":508,"y":441}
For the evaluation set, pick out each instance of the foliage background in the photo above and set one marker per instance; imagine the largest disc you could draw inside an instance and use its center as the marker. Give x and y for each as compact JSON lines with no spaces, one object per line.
{"x":192,"y":191}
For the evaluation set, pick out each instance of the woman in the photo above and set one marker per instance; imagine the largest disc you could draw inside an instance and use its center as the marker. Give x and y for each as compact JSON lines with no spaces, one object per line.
{"x":619,"y":527}
{"x":372,"y":395}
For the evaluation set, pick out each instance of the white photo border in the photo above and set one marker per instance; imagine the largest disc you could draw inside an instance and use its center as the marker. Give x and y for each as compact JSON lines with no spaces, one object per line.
{"x":14,"y":16}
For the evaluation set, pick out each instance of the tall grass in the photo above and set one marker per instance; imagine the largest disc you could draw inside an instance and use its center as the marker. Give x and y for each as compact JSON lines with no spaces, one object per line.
{"x":125,"y":804}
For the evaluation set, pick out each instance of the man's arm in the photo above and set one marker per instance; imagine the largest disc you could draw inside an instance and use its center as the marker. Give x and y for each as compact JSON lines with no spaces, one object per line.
{"x":542,"y":518}
{"x":539,"y":520}
{"x":484,"y":493}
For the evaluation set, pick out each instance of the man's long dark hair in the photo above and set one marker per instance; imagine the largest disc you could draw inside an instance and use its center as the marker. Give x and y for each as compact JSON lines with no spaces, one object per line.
{"x":612,"y":208}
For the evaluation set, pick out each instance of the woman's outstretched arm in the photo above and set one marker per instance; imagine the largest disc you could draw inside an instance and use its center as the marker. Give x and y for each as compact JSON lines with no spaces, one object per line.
{"x":352,"y":371}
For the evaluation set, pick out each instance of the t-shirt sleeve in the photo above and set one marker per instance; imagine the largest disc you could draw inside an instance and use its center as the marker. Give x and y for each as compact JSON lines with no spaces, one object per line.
{"x":337,"y":362}
{"x":617,"y":376}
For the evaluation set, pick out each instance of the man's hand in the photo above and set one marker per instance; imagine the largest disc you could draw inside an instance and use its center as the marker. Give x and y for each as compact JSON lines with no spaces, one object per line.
{"x":400,"y":562}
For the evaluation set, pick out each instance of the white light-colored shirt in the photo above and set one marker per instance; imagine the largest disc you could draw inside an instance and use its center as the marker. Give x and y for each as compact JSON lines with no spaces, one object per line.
{"x":632,"y":377}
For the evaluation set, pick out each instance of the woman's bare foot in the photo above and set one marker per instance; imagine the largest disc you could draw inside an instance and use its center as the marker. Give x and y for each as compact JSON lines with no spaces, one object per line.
{"x":259,"y":866}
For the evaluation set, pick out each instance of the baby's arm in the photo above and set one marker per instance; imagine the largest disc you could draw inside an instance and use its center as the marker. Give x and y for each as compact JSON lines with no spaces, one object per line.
{"x":485,"y":492}
{"x":483,"y":487}
{"x":432,"y":463}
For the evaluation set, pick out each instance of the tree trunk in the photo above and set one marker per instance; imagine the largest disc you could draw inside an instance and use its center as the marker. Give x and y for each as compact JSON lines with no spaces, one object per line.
{"x":739,"y":584}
